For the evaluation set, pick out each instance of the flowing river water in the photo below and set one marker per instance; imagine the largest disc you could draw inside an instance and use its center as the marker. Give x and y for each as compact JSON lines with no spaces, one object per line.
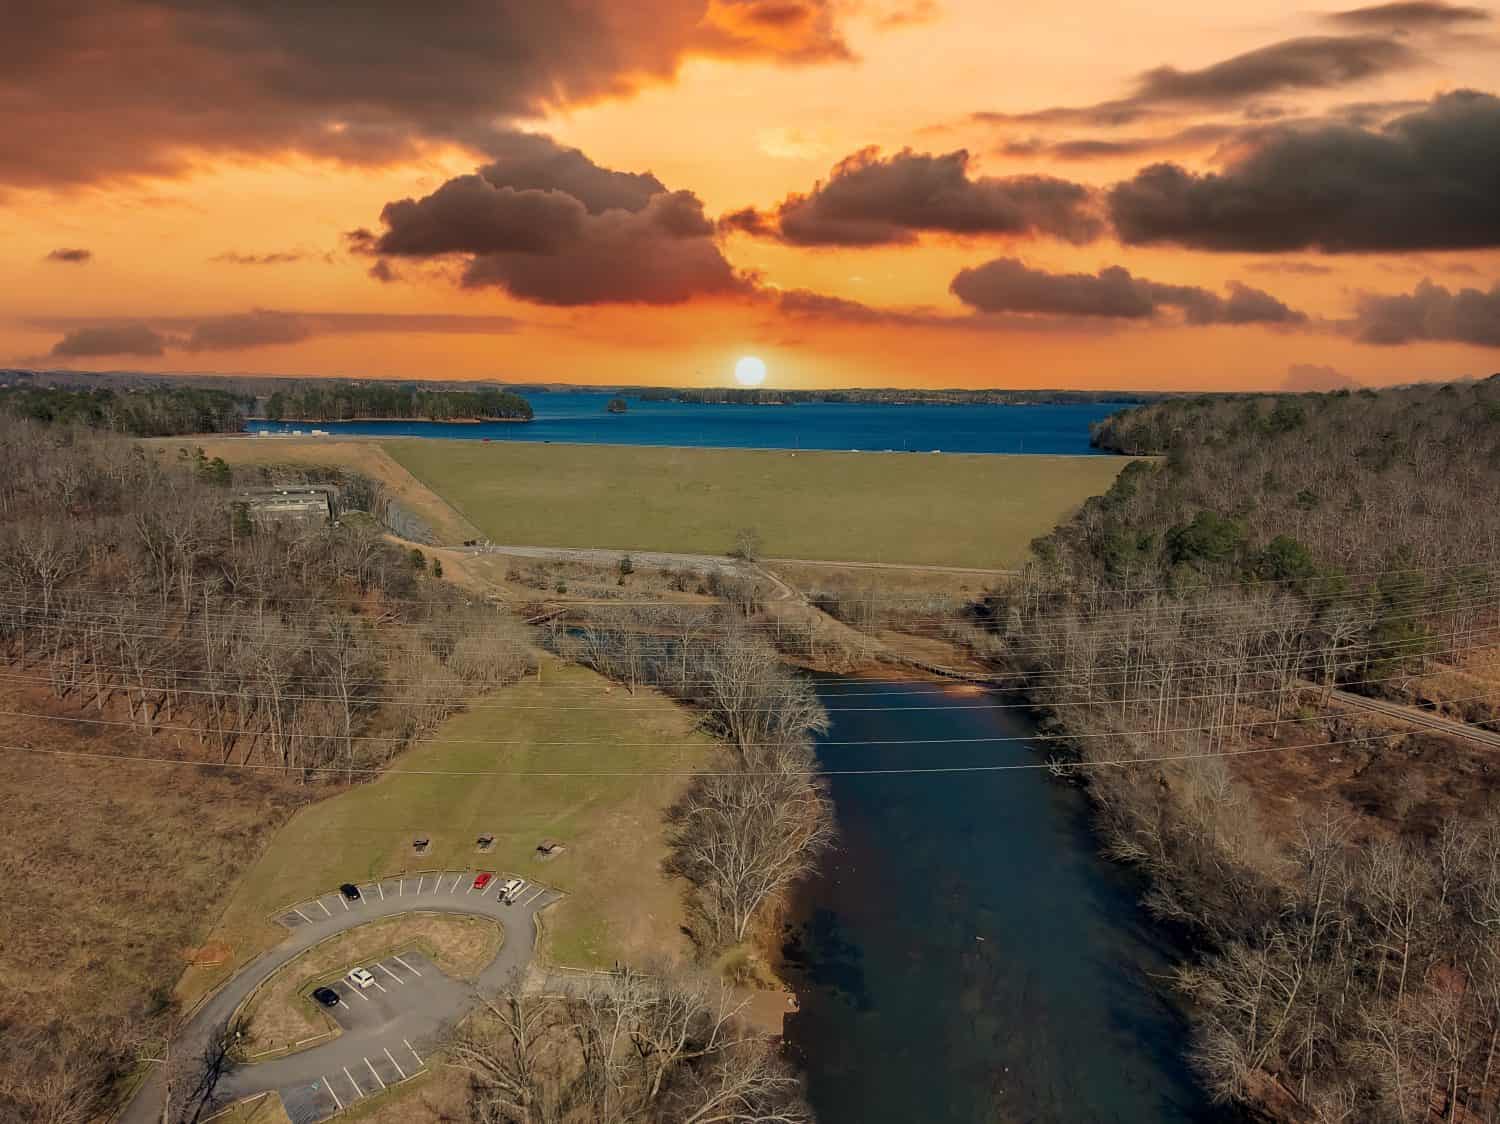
{"x":965,"y":954}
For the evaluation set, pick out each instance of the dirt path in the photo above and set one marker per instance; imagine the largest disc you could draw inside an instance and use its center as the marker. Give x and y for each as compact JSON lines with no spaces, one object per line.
{"x":1417,"y":717}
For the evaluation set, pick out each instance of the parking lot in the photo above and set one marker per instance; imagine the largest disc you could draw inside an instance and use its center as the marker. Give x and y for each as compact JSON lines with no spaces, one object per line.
{"x":420,"y":888}
{"x":386,"y":1030}
{"x":408,"y":1003}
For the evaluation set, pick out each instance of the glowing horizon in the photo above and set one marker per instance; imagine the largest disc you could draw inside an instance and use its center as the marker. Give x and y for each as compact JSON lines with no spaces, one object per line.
{"x":846,"y":194}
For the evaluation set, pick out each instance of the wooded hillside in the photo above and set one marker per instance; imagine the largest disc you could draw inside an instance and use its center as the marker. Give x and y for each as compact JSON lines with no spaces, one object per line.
{"x":336,"y":401}
{"x":1337,"y":874}
{"x":145,"y":411}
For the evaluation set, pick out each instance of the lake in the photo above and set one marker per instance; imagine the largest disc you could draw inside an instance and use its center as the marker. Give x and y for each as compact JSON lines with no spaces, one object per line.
{"x":966,"y":954}
{"x":580,"y":417}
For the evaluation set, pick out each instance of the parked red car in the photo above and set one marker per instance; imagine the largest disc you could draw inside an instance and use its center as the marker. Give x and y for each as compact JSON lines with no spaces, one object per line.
{"x":482,"y":879}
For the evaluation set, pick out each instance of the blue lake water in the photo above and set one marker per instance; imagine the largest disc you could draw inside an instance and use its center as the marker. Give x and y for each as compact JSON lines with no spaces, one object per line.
{"x":581,"y":418}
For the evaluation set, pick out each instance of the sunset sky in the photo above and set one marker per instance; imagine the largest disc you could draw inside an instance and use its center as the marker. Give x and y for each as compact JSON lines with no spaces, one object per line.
{"x":863,"y":193}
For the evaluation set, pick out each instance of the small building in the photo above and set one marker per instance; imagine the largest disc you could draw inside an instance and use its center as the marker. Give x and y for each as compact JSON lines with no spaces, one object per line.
{"x":301,"y":503}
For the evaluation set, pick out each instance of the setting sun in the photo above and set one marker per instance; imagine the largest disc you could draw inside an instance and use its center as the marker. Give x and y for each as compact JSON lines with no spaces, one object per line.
{"x":750,"y":371}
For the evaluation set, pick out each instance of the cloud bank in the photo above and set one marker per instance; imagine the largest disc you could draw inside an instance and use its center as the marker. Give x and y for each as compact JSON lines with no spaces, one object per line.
{"x":870,"y":200}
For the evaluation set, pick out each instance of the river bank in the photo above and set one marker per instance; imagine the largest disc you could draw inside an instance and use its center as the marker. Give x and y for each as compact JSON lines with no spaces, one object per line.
{"x":965,"y":935}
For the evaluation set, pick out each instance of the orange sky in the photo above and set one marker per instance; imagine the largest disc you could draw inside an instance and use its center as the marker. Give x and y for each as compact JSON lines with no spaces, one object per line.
{"x":751,"y":104}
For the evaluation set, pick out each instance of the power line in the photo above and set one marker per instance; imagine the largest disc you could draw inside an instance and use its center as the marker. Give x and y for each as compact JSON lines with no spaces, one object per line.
{"x":917,"y":770}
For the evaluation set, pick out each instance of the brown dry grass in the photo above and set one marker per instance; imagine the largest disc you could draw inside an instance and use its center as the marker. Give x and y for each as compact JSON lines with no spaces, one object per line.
{"x":282,"y":1011}
{"x":365,"y":457}
{"x":1386,"y":776}
{"x":521,"y":580}
{"x":263,"y":1110}
{"x":113,"y":872}
{"x":892,"y":582}
{"x":438,"y":1096}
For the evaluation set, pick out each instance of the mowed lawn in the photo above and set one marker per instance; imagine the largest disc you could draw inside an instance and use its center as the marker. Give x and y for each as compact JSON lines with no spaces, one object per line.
{"x":924,"y":508}
{"x":618,"y":905}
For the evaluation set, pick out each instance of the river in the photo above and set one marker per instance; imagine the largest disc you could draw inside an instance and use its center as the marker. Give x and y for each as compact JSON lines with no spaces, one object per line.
{"x":966,"y":955}
{"x":580,"y":417}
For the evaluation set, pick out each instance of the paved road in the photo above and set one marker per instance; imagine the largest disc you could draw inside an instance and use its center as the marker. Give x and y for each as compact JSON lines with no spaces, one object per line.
{"x":666,"y":560}
{"x":1424,"y":718}
{"x":387,"y":1028}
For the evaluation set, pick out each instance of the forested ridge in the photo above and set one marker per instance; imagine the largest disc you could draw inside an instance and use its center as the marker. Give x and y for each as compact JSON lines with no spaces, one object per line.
{"x":335,"y":401}
{"x":142,"y":411}
{"x":1339,"y":880}
{"x":143,"y":604}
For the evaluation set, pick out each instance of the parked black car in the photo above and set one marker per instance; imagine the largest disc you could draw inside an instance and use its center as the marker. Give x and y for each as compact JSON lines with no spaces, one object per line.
{"x":350,"y":891}
{"x":326,"y":996}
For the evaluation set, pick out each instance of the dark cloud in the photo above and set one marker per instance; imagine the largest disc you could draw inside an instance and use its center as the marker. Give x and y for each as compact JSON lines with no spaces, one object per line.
{"x":1294,"y":268}
{"x":469,"y":214}
{"x":804,"y":303}
{"x":806,"y":306}
{"x":383,"y":272}
{"x":535,"y":162}
{"x":1099,"y":148}
{"x":116,"y":339}
{"x":1409,"y":16}
{"x":664,"y":254}
{"x":71,"y":255}
{"x":1427,"y":180}
{"x":1430,"y":312}
{"x":1310,"y":63}
{"x":1007,"y":285}
{"x":94,"y":89}
{"x":261,"y":328}
{"x":872,"y":201}
{"x":277,"y":257}
{"x":83,"y":336}
{"x":1311,"y":377}
{"x":549,"y":225}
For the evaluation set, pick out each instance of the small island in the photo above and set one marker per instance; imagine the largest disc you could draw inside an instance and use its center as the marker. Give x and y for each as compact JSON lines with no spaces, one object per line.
{"x":616,"y":406}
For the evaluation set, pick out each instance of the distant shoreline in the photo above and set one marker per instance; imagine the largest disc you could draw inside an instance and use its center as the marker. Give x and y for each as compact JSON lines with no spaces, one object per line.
{"x":341,"y":421}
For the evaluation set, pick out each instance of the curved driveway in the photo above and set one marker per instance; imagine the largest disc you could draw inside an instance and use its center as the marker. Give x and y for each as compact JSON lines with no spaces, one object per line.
{"x":405,"y":1018}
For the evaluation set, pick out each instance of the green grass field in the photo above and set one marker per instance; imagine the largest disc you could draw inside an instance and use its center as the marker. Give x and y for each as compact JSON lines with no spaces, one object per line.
{"x":922,"y":508}
{"x":619,"y":905}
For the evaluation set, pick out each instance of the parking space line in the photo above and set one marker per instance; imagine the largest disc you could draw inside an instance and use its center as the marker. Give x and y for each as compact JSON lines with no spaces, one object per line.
{"x":334,"y":1095}
{"x":325,"y":907}
{"x":378,"y":984}
{"x":344,"y":902}
{"x":414,"y":1054}
{"x":470,"y":890}
{"x":405,"y":965}
{"x":395,"y":1063}
{"x":360,"y":992}
{"x":457,"y":878}
{"x":302,"y":915}
{"x":390,"y":973}
{"x":419,"y":882}
{"x":344,"y":1005}
{"x":358,"y":1092}
{"x":381,"y":888}
{"x":540,"y":890}
{"x":401,"y":888}
{"x":374,"y":1074}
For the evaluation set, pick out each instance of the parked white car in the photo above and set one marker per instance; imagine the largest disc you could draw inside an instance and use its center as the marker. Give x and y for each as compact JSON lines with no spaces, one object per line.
{"x":361,"y":978}
{"x":511,"y":889}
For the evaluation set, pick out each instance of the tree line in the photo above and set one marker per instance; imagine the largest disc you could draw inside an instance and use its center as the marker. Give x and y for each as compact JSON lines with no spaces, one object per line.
{"x":337,"y":401}
{"x":139,"y":411}
{"x":757,"y":818}
{"x":629,"y":1047}
{"x":1206,"y":606}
